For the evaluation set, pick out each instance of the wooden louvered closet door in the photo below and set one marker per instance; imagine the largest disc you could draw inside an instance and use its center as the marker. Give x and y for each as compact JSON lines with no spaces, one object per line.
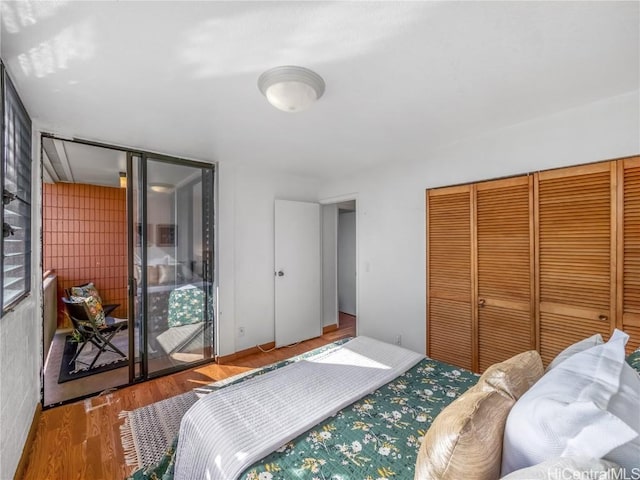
{"x":576,"y":254}
{"x":629,"y":250}
{"x":449,"y":275}
{"x":505,"y":278}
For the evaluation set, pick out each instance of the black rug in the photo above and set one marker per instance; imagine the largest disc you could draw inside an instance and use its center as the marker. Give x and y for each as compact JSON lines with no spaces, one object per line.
{"x":67,"y":372}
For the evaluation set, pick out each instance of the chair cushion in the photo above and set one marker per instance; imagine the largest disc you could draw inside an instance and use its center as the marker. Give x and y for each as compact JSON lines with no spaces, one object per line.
{"x":587,"y":406}
{"x":88,"y":290}
{"x":514,"y":376}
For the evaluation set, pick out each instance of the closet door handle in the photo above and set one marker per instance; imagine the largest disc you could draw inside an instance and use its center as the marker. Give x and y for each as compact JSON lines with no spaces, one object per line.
{"x":481,"y":302}
{"x":603,"y":318}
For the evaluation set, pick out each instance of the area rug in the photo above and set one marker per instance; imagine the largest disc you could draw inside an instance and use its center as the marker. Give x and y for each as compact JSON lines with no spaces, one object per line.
{"x":148,"y":431}
{"x":108,"y":360}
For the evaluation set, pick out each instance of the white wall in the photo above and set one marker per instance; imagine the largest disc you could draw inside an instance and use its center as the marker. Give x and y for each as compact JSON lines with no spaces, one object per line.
{"x":391,"y":240}
{"x":391,"y":200}
{"x":347,"y":262}
{"x":246,"y":250}
{"x":21,"y":351}
{"x":329,"y":265}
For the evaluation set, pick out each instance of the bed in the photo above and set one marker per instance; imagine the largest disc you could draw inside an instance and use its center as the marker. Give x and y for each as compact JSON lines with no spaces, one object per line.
{"x":378,"y":436}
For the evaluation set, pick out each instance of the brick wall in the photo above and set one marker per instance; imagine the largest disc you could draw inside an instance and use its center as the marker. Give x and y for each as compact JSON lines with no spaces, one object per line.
{"x":85,"y":240}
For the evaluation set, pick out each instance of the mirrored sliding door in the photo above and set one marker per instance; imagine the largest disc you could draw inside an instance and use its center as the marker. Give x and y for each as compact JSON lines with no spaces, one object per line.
{"x":173,"y":264}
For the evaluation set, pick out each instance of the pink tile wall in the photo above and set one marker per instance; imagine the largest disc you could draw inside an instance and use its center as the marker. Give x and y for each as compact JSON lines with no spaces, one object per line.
{"x":85,"y":240}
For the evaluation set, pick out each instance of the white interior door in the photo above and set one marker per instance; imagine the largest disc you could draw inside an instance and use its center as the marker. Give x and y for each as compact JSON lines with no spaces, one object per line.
{"x":298,"y":273}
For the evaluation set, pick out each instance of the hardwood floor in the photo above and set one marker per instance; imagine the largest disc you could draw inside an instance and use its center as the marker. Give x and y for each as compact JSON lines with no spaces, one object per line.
{"x":82,"y":440}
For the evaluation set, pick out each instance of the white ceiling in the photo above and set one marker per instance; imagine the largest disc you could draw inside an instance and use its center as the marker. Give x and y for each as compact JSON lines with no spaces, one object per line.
{"x":402,"y":77}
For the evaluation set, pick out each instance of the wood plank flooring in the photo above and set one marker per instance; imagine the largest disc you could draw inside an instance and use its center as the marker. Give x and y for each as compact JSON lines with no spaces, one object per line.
{"x":82,"y":440}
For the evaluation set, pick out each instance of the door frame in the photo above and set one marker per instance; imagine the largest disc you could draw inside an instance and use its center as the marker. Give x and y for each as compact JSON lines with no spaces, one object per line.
{"x":332,"y":201}
{"x":130,"y":151}
{"x":144,"y":157}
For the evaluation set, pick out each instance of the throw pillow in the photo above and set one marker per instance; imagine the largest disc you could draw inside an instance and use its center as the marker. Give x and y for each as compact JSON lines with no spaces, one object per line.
{"x":515,"y":376}
{"x":569,"y":468}
{"x":94,"y":309}
{"x":88,"y":290}
{"x":465,"y":439}
{"x":152,"y":275}
{"x":183,"y":273}
{"x":166,"y":274}
{"x":186,"y":306}
{"x":576,"y":348}
{"x":587,"y":406}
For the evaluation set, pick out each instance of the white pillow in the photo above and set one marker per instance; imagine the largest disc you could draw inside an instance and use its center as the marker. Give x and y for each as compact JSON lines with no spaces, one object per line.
{"x":588,"y":405}
{"x":576,"y":348}
{"x":569,"y":468}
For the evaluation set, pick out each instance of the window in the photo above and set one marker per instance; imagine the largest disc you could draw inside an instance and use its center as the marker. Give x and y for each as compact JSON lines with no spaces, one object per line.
{"x":16,"y":196}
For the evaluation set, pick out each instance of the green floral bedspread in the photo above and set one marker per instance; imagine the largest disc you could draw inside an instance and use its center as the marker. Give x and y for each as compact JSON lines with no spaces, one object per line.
{"x":375,"y":438}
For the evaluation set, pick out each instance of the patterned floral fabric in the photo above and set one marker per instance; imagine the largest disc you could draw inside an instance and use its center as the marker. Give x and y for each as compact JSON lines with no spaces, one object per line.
{"x":634,"y":360}
{"x":376,"y":438}
{"x":88,"y":290}
{"x":186,"y":306}
{"x":94,"y":309}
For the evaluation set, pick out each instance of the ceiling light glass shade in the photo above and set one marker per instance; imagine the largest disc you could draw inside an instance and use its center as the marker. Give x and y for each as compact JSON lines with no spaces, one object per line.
{"x":161,"y":187}
{"x":291,"y":88}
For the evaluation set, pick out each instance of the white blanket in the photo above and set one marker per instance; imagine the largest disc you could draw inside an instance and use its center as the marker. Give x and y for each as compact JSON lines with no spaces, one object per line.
{"x":228,"y":430}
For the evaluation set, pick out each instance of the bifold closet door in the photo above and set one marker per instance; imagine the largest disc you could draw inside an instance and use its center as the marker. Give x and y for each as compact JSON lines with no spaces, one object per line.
{"x":450,"y":275}
{"x":576,"y":254}
{"x":629,"y":249}
{"x":505,"y":269}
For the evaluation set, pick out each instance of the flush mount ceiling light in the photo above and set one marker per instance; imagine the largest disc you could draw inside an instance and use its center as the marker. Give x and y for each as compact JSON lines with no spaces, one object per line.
{"x":291,"y":88}
{"x":161,"y":187}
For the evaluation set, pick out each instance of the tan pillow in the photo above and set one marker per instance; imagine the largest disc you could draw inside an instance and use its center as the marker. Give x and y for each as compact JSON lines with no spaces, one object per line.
{"x":465,"y":439}
{"x":152,"y":275}
{"x":166,"y":274}
{"x":515,"y":376}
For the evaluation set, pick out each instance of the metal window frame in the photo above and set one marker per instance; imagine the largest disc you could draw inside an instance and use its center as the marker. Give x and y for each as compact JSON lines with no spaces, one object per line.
{"x":5,"y":82}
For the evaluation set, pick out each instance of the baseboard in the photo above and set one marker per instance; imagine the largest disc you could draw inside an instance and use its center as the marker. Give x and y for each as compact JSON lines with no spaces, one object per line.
{"x":244,"y":353}
{"x":329,"y":328}
{"x":21,"y":469}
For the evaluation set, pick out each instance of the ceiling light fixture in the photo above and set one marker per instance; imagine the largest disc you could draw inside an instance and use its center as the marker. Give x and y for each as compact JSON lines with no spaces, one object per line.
{"x":161,"y":187}
{"x":290,"y":88}
{"x":123,"y":180}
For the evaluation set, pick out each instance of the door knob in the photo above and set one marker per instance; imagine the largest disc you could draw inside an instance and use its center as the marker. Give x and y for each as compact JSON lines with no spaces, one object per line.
{"x":481,"y":302}
{"x":280,"y":273}
{"x":603,"y":318}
